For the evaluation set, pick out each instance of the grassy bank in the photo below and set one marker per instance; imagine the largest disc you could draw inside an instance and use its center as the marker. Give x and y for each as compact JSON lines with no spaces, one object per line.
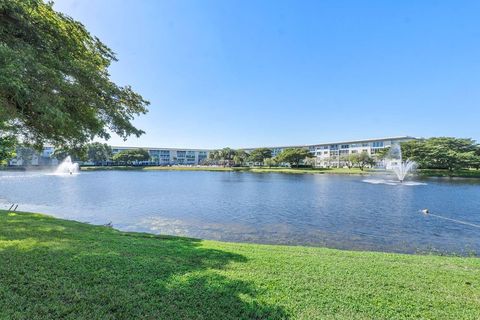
{"x":239,"y":169}
{"x":63,"y":269}
{"x":465,"y":173}
{"x":159,"y":168}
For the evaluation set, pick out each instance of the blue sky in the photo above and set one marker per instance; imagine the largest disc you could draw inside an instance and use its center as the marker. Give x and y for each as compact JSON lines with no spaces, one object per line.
{"x":263,"y":73}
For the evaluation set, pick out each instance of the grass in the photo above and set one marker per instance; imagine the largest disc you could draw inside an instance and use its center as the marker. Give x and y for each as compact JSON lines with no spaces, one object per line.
{"x":58,"y":269}
{"x":312,"y":170}
{"x":463,"y":173}
{"x":156,"y":168}
{"x":235,"y":169}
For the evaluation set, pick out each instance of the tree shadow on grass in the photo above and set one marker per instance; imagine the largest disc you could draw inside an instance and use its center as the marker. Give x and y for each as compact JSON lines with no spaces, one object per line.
{"x":63,"y":269}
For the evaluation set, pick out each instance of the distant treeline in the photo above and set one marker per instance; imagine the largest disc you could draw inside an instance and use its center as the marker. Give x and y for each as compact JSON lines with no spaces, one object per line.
{"x":259,"y":157}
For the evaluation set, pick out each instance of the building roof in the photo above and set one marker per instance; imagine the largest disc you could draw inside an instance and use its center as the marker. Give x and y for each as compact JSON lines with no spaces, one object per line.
{"x":155,"y":148}
{"x":276,"y":147}
{"x":336,"y":142}
{"x":366,"y":140}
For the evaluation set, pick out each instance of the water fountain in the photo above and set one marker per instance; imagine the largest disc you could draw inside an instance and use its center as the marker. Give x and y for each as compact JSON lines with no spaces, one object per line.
{"x":403,"y":168}
{"x":395,"y":163}
{"x":67,"y":167}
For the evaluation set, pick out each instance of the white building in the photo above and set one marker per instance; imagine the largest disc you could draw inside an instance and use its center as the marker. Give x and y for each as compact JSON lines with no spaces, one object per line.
{"x":331,"y":154}
{"x":326,"y":154}
{"x":43,"y":158}
{"x":171,"y":156}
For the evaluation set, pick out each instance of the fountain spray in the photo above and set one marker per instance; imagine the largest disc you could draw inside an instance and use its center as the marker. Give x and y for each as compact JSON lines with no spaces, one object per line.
{"x":67,"y":167}
{"x":397,"y":165}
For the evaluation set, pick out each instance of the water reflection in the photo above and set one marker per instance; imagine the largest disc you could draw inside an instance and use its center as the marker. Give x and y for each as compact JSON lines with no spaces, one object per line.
{"x":335,"y":211}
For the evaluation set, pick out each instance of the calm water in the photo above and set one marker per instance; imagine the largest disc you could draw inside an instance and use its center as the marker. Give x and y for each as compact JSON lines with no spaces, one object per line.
{"x":325,"y":210}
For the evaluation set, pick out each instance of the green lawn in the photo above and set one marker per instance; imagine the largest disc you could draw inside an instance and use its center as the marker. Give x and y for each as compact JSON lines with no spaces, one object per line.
{"x":312,"y":171}
{"x":57,"y":269}
{"x":464,"y":173}
{"x":246,"y":169}
{"x":157,"y":168}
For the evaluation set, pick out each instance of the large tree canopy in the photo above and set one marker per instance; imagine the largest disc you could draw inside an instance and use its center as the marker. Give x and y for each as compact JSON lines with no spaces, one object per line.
{"x":260,"y":154}
{"x":129,"y":156}
{"x":443,"y":153}
{"x":293,"y":156}
{"x":54,"y":80}
{"x":98,"y":152}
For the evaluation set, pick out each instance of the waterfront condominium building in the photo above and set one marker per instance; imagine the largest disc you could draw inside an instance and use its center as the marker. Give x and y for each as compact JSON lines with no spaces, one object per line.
{"x":325,"y":154}
{"x":171,"y":156}
{"x":37,"y":159}
{"x":331,"y":154}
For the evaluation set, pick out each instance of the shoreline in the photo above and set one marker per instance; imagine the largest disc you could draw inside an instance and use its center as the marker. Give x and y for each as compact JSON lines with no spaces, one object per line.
{"x":63,"y":268}
{"x":354,"y":171}
{"x":230,"y":169}
{"x":410,"y":252}
{"x":420,"y":173}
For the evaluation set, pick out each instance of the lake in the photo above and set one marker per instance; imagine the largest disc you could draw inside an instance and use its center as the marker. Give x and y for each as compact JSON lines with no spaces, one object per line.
{"x":337,"y":211}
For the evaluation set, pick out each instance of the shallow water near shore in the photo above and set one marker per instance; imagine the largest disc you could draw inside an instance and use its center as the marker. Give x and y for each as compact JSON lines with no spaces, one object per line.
{"x":338,"y":211}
